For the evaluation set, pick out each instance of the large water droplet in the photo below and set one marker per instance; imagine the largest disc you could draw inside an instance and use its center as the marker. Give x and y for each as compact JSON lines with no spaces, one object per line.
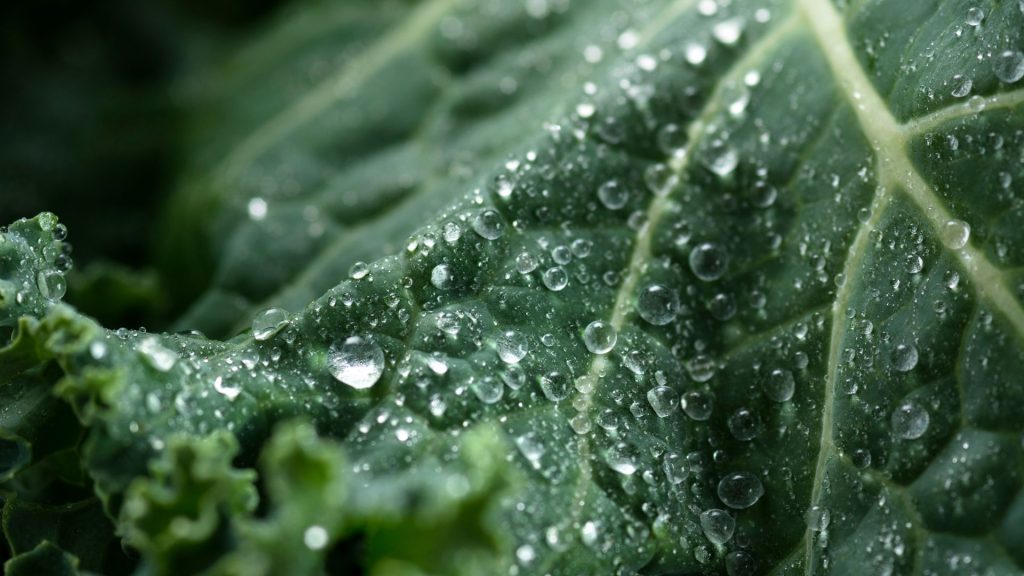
{"x":780,"y":385}
{"x":488,"y":389}
{"x":904,"y":357}
{"x":489,"y":224}
{"x":708,"y":261}
{"x":696,"y":405}
{"x":512,"y":346}
{"x":621,"y":458}
{"x":657,"y":304}
{"x":555,"y":278}
{"x":612,"y":195}
{"x":599,"y":337}
{"x":718,"y":525}
{"x":357,"y":362}
{"x":663,"y":400}
{"x":740,"y":490}
{"x":556,"y":386}
{"x":910,"y":420}
{"x":441,"y":277}
{"x":1009,"y":66}
{"x":955,"y":234}
{"x":51,"y":284}
{"x":268,"y":323}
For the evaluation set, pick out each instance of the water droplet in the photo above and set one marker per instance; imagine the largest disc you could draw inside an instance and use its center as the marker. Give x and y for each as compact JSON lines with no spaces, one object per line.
{"x":589,"y":533}
{"x":621,"y":458}
{"x":663,"y":400}
{"x":556,"y":386}
{"x":488,"y":389}
{"x":555,"y":278}
{"x":357,"y":362}
{"x":315,"y":537}
{"x":718,"y":525}
{"x":725,"y":163}
{"x":581,"y":247}
{"x":530,"y":447}
{"x":817,"y":518}
{"x":728,"y":32}
{"x":1009,"y":66}
{"x":512,"y":347}
{"x":657,"y":304}
{"x":660,"y":179}
{"x":268,"y":323}
{"x":452,"y":232}
{"x":722,"y":307}
{"x":561,"y":254}
{"x":904,"y":357}
{"x":695,"y":54}
{"x":526,"y":554}
{"x":910,"y":420}
{"x":228,"y":391}
{"x":441,"y":277}
{"x":780,"y":385}
{"x":961,"y":86}
{"x":489,"y":224}
{"x":526,"y":263}
{"x":701,"y":368}
{"x":740,"y":490}
{"x":599,"y":337}
{"x":675,"y":468}
{"x":696,"y":405}
{"x":955,"y":234}
{"x":708,"y":261}
{"x":358,"y":270}
{"x":613,"y":195}
{"x":744,"y":425}
{"x":513,"y":376}
{"x":157,"y":355}
{"x":51,"y":284}
{"x":975,"y":16}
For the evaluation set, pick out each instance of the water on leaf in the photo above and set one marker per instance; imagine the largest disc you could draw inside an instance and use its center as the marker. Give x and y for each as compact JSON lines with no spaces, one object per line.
{"x":512,"y":347}
{"x":268,"y":323}
{"x":697,"y":405}
{"x":779,"y":385}
{"x":718,"y":525}
{"x":657,"y":304}
{"x":910,"y":420}
{"x":489,"y":224}
{"x":599,"y":337}
{"x":663,"y":400}
{"x":708,"y":261}
{"x":555,"y":278}
{"x":357,"y":362}
{"x":739,"y":490}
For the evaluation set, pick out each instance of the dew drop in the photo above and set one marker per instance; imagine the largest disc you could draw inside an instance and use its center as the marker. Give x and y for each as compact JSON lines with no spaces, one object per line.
{"x":962,"y":86}
{"x":725,"y":163}
{"x":1009,"y":66}
{"x":489,"y":224}
{"x":157,"y":355}
{"x":268,"y":323}
{"x":51,"y":284}
{"x":513,"y":376}
{"x":358,"y":270}
{"x":955,"y":234}
{"x":657,"y":304}
{"x":556,"y":386}
{"x":904,"y":357}
{"x":728,"y":32}
{"x":708,"y":261}
{"x":696,"y":405}
{"x":555,"y":278}
{"x":612,"y":195}
{"x":817,"y":518}
{"x":452,"y":232}
{"x":744,"y":425}
{"x":910,"y":420}
{"x":740,"y":490}
{"x":315,"y":537}
{"x":663,"y":400}
{"x":441,"y":277}
{"x":975,"y":16}
{"x":599,"y":337}
{"x":512,"y":347}
{"x":357,"y":362}
{"x":701,"y":368}
{"x":695,"y":54}
{"x":620,"y":458}
{"x":780,"y":385}
{"x":488,"y":389}
{"x":526,"y":263}
{"x":660,"y":179}
{"x":718,"y":525}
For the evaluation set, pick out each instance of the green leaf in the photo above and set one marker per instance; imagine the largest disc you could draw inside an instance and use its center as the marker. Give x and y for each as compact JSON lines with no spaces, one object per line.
{"x":667,"y":287}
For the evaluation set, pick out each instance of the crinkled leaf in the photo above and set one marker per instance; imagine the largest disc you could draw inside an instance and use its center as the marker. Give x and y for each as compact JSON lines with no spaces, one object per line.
{"x":788,"y":210}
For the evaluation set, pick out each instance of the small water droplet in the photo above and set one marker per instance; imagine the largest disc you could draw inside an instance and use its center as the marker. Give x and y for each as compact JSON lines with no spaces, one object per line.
{"x":157,"y":355}
{"x":975,"y":16}
{"x":526,"y":263}
{"x":728,"y":32}
{"x":488,"y":389}
{"x":599,"y":337}
{"x":744,"y":425}
{"x":660,"y":179}
{"x":441,"y":277}
{"x":817,"y":518}
{"x":612,"y":195}
{"x":657,"y":304}
{"x":621,"y":458}
{"x":695,"y":54}
{"x":357,"y":362}
{"x":739,"y":490}
{"x":910,"y":420}
{"x":725,"y":163}
{"x":962,"y":86}
{"x":358,"y":270}
{"x":315,"y":537}
{"x":701,"y":368}
{"x":268,"y":323}
{"x":51,"y":284}
{"x":452,"y":232}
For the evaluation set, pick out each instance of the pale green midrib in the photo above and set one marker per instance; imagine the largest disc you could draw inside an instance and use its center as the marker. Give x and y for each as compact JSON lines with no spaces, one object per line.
{"x":414,"y":28}
{"x":920,"y":126}
{"x":656,"y":209}
{"x":889,"y":139}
